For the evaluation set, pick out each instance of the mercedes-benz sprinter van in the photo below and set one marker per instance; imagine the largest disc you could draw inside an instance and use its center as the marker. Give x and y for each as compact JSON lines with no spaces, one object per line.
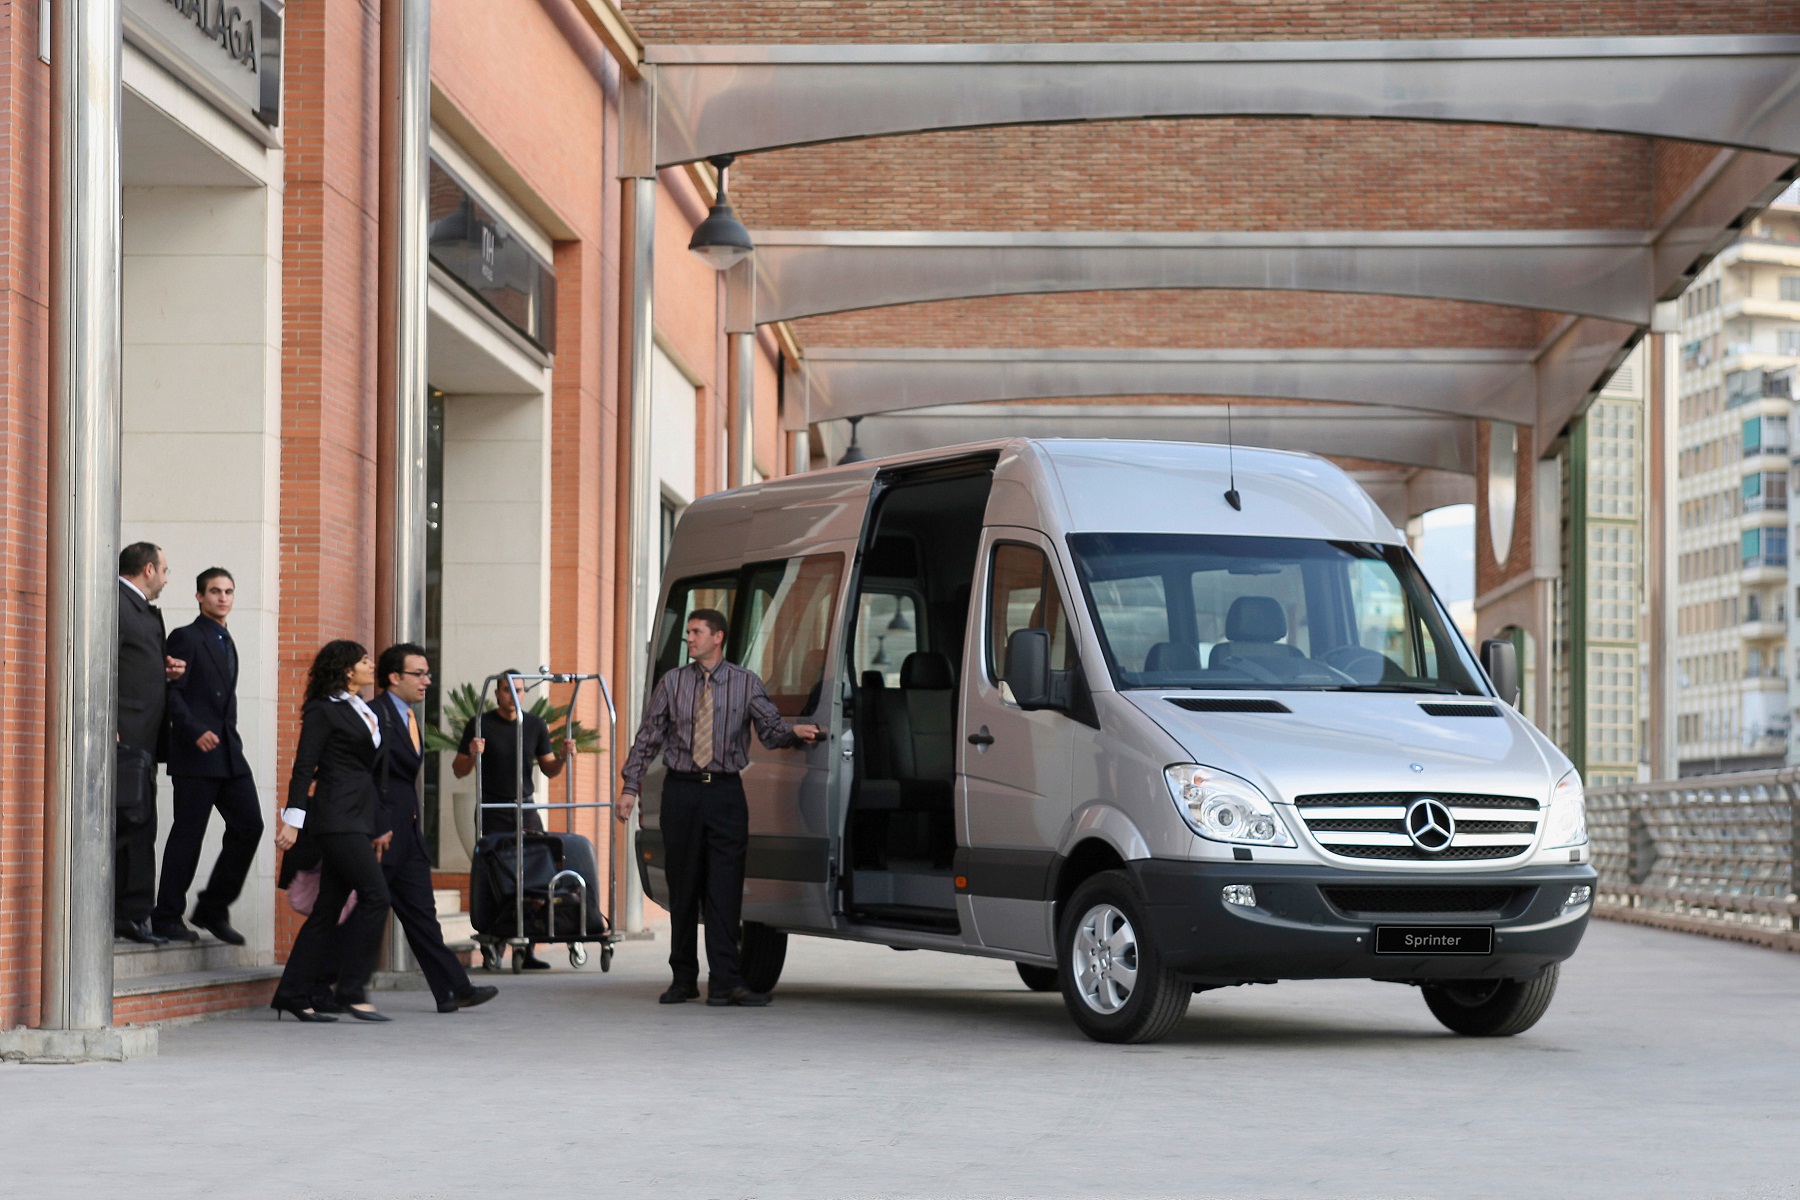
{"x":1138,"y":721}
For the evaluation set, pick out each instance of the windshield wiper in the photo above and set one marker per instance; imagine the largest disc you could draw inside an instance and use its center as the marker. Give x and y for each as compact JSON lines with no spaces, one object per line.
{"x":1436,"y":689}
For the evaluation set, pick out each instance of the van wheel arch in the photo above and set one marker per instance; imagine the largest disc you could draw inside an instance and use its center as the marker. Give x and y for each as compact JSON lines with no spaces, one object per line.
{"x":1086,"y":859}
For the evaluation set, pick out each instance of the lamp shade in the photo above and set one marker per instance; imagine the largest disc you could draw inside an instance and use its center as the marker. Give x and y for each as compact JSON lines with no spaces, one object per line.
{"x":721,"y":239}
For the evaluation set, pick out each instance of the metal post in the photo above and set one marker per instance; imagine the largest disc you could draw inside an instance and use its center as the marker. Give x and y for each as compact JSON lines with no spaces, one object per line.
{"x":637,"y":166}
{"x":743,"y":411}
{"x":406,"y":124}
{"x":82,"y":633}
{"x":799,"y":452}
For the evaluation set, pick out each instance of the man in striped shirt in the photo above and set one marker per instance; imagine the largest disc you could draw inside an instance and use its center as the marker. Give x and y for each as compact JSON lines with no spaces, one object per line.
{"x":700,"y":717}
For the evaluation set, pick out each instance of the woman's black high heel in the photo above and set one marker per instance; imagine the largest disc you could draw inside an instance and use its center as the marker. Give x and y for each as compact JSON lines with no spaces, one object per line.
{"x":367,"y":1014}
{"x":300,"y":1010}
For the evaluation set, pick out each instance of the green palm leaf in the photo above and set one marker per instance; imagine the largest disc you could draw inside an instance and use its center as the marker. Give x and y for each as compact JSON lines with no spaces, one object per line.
{"x":459,"y":707}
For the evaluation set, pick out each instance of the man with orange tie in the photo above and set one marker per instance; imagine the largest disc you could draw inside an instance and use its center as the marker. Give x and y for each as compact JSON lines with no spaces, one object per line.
{"x":700,"y":717}
{"x":403,"y":673}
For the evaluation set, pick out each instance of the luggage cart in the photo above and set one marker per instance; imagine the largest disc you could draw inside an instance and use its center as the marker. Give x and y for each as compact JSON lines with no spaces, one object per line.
{"x":607,"y":937}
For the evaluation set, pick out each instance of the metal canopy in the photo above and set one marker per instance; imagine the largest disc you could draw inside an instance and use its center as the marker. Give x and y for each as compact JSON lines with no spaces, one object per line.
{"x":1729,"y":91}
{"x":1600,"y":273}
{"x":1377,"y":434}
{"x":852,"y":382}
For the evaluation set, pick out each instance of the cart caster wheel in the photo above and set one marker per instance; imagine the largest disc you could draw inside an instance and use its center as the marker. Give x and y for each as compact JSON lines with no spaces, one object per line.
{"x":605,"y":959}
{"x":490,"y":961}
{"x":518,"y":961}
{"x":577,"y":955}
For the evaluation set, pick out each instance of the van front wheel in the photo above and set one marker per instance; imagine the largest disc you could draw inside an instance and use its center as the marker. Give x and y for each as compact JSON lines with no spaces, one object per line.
{"x":762,"y":952}
{"x":1114,"y":983}
{"x":1491,"y":1007}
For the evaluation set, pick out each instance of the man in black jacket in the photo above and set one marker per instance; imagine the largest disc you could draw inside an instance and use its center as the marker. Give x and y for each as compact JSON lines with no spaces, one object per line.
{"x":402,"y":674}
{"x":145,"y":671}
{"x":206,"y":761}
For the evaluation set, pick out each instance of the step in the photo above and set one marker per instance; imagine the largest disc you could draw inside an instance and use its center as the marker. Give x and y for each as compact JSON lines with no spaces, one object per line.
{"x":446,"y":901}
{"x":134,"y":961}
{"x":179,"y":981}
{"x":457,"y":928}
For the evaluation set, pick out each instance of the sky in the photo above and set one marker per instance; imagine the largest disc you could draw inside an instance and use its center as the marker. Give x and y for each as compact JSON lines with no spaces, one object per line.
{"x":1447,"y":555}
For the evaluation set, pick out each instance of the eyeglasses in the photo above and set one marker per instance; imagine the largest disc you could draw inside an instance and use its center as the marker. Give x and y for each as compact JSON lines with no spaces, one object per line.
{"x":417,"y":674}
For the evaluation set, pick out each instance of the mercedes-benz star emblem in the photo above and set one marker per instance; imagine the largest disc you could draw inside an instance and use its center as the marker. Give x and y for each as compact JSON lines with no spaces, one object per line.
{"x":1429,"y":824}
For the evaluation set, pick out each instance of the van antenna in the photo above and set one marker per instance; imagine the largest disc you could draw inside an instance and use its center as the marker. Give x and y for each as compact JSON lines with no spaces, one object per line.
{"x":1231,"y":494}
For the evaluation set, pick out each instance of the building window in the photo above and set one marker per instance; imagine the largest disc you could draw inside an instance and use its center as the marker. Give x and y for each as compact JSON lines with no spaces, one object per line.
{"x":1790,"y":287}
{"x":1787,"y":341}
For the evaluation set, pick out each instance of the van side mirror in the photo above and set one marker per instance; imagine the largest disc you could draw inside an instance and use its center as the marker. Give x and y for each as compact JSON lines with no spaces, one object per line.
{"x":1500,"y":659}
{"x":1027,"y":667}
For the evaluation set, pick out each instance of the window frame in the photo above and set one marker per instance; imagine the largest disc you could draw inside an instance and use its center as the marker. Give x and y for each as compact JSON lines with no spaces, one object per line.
{"x":1072,"y":652}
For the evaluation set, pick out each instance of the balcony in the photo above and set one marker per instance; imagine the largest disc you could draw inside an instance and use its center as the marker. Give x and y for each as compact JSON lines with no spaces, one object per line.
{"x":1764,"y":570}
{"x":1757,"y":630}
{"x":1762,"y":307}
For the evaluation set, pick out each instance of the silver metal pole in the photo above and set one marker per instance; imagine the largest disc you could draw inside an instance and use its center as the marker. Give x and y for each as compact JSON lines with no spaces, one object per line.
{"x":643,"y":528}
{"x":84,"y":516}
{"x":410,"y":401}
{"x":799,"y":452}
{"x":743,"y":416}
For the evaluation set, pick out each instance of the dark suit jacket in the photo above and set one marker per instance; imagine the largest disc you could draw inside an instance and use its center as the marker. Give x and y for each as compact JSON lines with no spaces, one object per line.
{"x":337,"y":759}
{"x":142,"y":683}
{"x":202,"y":700}
{"x":399,"y":780}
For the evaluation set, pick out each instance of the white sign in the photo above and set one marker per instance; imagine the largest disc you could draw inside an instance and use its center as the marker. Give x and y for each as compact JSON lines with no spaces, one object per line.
{"x":233,"y":44}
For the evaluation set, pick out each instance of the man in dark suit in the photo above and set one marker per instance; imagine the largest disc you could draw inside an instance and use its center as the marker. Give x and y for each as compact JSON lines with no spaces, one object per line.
{"x":403,"y":673}
{"x":145,"y":672}
{"x":206,"y":761}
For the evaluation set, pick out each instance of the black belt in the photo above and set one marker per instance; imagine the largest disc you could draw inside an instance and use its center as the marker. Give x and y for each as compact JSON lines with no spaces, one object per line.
{"x":703,"y":776}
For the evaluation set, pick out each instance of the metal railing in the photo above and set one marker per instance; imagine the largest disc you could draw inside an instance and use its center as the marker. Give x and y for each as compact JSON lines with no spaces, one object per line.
{"x":1712,"y":854}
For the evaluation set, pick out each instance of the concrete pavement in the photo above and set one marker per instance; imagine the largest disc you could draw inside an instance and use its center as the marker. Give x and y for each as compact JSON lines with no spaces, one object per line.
{"x":1668,"y":1067}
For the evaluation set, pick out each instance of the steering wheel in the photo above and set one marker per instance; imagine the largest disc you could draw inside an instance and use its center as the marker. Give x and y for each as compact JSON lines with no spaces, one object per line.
{"x":1358,"y":664}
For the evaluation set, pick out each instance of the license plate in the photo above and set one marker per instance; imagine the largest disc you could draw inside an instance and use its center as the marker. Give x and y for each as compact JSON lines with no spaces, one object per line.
{"x":1434,"y":939}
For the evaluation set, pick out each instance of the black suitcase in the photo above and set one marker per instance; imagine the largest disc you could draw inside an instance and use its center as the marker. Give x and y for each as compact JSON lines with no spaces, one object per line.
{"x":494,"y":878}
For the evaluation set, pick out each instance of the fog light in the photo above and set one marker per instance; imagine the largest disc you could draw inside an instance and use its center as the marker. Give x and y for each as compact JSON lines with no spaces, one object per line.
{"x":1241,"y":894}
{"x":1578,"y":896}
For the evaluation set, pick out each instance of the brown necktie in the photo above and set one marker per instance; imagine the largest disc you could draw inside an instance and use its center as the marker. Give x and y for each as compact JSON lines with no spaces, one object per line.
{"x":703,"y":726}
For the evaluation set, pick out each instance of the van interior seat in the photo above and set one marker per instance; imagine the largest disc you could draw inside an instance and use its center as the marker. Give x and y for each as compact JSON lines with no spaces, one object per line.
{"x":1254,"y":627}
{"x":1172,"y":656}
{"x":922,"y":736}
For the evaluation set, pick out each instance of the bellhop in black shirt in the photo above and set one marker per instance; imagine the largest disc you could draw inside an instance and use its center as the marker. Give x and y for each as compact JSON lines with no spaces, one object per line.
{"x":207,"y":763}
{"x":499,"y":738}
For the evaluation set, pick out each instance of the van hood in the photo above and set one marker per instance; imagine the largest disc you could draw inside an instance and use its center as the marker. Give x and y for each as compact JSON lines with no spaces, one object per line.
{"x":1334,"y":742}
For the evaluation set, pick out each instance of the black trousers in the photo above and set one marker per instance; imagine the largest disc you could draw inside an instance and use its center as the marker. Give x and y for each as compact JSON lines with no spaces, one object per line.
{"x":409,"y":885}
{"x":195,"y":800}
{"x":134,"y":864}
{"x":706,"y":835}
{"x":348,"y":864}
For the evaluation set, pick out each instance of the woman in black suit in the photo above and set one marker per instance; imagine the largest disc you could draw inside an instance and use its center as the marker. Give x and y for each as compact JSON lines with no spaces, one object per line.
{"x":332,"y":796}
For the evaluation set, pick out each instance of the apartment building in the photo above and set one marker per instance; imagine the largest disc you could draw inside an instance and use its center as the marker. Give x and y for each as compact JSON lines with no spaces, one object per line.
{"x":1739,"y":339}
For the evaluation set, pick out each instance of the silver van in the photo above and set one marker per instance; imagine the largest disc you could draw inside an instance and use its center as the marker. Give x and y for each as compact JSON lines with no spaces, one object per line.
{"x":1142,"y":723}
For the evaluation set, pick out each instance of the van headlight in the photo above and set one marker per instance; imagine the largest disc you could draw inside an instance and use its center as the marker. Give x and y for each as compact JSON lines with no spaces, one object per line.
{"x":1566,"y":824}
{"x":1225,"y":808}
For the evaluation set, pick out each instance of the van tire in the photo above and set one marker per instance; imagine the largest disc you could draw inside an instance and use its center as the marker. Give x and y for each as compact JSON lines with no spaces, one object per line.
{"x":1156,"y":999}
{"x":1490,"y":1008}
{"x":1039,"y":979}
{"x":762,"y":952}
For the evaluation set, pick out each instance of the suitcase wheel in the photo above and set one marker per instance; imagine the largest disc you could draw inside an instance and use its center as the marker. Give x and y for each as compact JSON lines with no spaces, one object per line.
{"x":605,"y":959}
{"x":577,"y":954}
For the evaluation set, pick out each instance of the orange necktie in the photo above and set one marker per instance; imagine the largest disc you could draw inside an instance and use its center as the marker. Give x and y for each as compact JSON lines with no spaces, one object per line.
{"x":412,"y":730}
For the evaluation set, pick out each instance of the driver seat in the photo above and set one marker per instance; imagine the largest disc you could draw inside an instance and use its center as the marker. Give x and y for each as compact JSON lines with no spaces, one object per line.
{"x":1254,"y":627}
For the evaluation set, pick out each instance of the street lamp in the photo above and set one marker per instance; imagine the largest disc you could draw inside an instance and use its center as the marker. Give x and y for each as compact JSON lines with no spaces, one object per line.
{"x":721,"y":239}
{"x":853,"y":453}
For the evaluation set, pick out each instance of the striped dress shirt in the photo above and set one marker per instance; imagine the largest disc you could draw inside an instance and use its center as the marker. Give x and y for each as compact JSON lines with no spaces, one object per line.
{"x":739,"y":701}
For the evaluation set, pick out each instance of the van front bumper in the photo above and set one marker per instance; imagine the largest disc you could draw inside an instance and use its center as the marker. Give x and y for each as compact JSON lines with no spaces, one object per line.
{"x":1318,"y":923}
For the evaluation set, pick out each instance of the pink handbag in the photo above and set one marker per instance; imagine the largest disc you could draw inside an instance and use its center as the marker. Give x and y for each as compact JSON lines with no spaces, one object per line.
{"x":303,"y":893}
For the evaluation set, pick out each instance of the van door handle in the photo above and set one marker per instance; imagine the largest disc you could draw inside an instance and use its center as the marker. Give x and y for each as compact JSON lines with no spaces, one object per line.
{"x":984,"y":738}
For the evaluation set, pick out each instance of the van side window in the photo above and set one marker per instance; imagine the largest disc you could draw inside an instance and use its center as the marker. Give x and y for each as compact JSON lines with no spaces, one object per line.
{"x":786,"y":627}
{"x":887,"y":630}
{"x":1022,"y":594}
{"x":710,"y":591}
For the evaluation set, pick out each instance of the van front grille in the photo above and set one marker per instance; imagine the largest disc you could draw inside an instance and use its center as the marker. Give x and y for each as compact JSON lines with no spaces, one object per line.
{"x":1372,"y":825}
{"x":1419,"y":901}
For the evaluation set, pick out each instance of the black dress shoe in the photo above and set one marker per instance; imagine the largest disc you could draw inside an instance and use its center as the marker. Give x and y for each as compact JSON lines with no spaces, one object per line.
{"x":679,"y":993}
{"x":329,"y":1006}
{"x":737,"y":997}
{"x":531,"y":962}
{"x":220,"y":928}
{"x":367,"y":1014}
{"x":139,"y":932}
{"x":474,"y":996}
{"x":178,"y":932}
{"x":300,"y":1010}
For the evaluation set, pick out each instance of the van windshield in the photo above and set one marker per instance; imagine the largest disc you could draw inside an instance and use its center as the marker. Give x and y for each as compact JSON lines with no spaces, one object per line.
{"x":1210,"y":611}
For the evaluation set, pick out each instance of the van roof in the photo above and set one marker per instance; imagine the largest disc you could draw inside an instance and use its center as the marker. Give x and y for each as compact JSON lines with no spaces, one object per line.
{"x":1117,"y":486}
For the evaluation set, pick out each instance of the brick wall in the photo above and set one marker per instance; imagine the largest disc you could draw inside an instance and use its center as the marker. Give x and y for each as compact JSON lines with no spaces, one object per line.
{"x":24,"y":415}
{"x":1212,"y":174}
{"x":1187,"y":319}
{"x":328,"y":431}
{"x":1178,"y":20}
